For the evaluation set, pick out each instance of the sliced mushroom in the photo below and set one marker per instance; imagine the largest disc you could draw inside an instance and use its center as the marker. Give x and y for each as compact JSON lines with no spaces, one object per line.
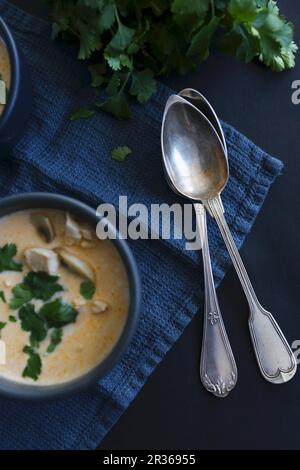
{"x":87,"y":234}
{"x":87,"y":244}
{"x":42,"y":259}
{"x":76,"y":264}
{"x":44,"y":226}
{"x":98,"y":306}
{"x":72,"y":228}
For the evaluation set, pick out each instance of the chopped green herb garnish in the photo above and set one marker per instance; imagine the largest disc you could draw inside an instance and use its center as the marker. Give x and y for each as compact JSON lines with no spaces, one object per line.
{"x":34,"y":343}
{"x":12,"y":318}
{"x":36,"y":285}
{"x":33,"y":323}
{"x":42,"y":285}
{"x":56,"y":337}
{"x":120,"y":153}
{"x":7,"y":253}
{"x":2,"y":325}
{"x":58,"y":314}
{"x":2,"y":296}
{"x":87,"y":289}
{"x":34,"y":364}
{"x":21,"y":295}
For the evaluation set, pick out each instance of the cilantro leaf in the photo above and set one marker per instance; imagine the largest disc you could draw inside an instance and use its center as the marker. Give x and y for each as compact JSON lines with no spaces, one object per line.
{"x":42,"y":285}
{"x":21,"y":295}
{"x":117,"y":105}
{"x":2,"y":325}
{"x":12,"y":318}
{"x":7,"y":253}
{"x":82,"y":113}
{"x":182,"y":7}
{"x":201,"y":41}
{"x":2,"y":296}
{"x":89,"y":41}
{"x":121,"y":40}
{"x":243,"y":11}
{"x":97,"y":72}
{"x":114,"y":84}
{"x":115,"y":51}
{"x":94,"y":4}
{"x":35,"y":285}
{"x":34,"y":364}
{"x":143,"y":85}
{"x":56,"y":337}
{"x":33,"y":323}
{"x":277,"y":48}
{"x":58,"y":314}
{"x":107,"y":17}
{"x":120,"y":153}
{"x":240,"y":43}
{"x":87,"y":289}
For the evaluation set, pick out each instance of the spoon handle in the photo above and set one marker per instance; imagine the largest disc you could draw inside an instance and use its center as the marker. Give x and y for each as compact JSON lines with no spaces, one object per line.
{"x":275,"y":358}
{"x":218,"y":370}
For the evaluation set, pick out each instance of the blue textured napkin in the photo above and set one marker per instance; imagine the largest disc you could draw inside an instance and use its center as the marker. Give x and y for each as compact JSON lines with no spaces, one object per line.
{"x":74,"y":158}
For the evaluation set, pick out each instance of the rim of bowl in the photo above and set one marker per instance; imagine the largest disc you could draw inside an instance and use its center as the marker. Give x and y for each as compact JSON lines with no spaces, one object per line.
{"x":8,"y":39}
{"x":18,"y":390}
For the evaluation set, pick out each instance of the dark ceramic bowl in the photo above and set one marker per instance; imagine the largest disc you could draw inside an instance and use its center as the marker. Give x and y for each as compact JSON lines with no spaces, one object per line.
{"x":55,"y":201}
{"x":17,"y":109}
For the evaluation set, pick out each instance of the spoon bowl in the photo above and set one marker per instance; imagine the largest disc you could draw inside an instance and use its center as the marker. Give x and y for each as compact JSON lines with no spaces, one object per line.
{"x":201,"y":103}
{"x":193,"y":154}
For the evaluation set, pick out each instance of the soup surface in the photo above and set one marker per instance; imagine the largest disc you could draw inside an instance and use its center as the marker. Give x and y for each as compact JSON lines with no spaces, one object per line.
{"x":5,"y":75}
{"x":57,"y":343}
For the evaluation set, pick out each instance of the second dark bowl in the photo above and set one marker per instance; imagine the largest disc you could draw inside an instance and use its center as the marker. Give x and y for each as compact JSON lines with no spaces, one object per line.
{"x":19,"y":202}
{"x":19,"y":103}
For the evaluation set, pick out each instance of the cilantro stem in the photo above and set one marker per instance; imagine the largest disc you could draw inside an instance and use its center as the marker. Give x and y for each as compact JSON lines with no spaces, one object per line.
{"x":117,"y":16}
{"x":125,"y":82}
{"x":213,"y":8}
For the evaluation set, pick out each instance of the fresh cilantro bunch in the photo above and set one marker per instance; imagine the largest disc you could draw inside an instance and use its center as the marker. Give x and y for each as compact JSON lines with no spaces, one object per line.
{"x":129,"y":43}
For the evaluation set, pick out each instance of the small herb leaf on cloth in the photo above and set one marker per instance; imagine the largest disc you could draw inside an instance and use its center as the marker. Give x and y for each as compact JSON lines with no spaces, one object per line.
{"x":121,"y":153}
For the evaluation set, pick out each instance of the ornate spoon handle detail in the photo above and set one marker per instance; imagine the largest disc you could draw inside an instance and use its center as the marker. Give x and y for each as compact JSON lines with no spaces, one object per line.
{"x":218,"y":370}
{"x":275,"y":358}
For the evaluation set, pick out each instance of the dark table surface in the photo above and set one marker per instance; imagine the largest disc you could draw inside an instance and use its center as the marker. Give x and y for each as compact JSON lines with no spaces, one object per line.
{"x":173,"y":411}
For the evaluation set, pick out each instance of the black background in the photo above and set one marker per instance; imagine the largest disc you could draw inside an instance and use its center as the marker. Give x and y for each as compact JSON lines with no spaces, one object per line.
{"x":173,"y":411}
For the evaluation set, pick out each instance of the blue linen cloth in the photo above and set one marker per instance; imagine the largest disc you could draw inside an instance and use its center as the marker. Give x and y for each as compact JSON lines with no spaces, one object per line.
{"x":58,"y":155}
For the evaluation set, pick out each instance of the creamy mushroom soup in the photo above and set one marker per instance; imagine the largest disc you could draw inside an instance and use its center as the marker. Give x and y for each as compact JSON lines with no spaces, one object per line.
{"x":5,"y":75}
{"x":63,"y":297}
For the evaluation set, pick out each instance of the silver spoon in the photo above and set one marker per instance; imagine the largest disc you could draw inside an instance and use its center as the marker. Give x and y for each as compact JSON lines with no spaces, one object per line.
{"x":197,"y":166}
{"x":218,"y":369}
{"x":198,"y":100}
